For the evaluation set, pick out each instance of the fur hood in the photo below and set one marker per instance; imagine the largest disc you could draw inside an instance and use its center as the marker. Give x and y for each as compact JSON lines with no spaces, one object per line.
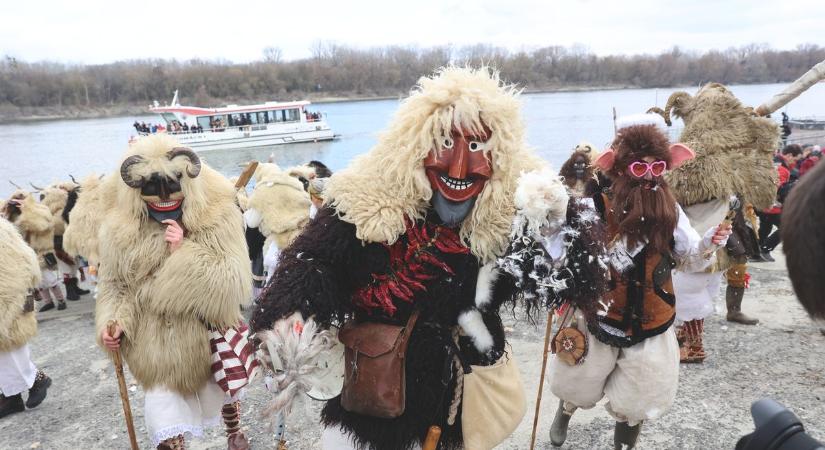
{"x":384,"y":186}
{"x":166,"y":302}
{"x":35,"y":222}
{"x":55,"y":198}
{"x":734,"y":149}
{"x":278,"y":206}
{"x":94,"y":197}
{"x":19,"y":273}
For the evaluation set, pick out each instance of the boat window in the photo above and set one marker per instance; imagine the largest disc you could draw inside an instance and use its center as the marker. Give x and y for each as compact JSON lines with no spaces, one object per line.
{"x":262,"y":118}
{"x":203,"y":122}
{"x":252,"y":118}
{"x":169,"y":117}
{"x":293,"y":115}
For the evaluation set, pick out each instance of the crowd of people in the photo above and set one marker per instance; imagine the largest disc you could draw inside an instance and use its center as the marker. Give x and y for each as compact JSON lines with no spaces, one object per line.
{"x":792,"y":162}
{"x":405,"y":262}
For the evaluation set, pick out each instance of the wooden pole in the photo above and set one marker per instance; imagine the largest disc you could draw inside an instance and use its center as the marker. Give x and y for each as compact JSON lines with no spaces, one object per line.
{"x":547,"y":334}
{"x":793,"y":91}
{"x":433,"y":436}
{"x":124,"y":392}
{"x":247,"y":173}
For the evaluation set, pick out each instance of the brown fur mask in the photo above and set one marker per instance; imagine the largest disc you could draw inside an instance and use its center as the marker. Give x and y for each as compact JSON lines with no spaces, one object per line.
{"x":568,"y":169}
{"x":803,"y":240}
{"x":643,"y":209}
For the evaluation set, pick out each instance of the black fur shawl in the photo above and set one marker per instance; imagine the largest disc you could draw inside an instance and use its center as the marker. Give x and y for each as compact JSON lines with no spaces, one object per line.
{"x":319,"y":273}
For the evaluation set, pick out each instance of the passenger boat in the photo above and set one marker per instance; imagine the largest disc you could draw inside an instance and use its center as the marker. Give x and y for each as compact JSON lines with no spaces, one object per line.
{"x":235,"y":126}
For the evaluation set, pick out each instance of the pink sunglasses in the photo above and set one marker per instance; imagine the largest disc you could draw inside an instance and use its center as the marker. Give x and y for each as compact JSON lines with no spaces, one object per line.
{"x":640,"y":168}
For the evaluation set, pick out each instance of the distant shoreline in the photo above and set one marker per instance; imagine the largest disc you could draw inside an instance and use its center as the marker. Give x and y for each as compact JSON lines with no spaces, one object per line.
{"x":53,"y":113}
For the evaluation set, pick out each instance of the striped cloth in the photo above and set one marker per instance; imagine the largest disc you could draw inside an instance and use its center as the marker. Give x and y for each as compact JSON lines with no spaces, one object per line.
{"x":234,"y":363}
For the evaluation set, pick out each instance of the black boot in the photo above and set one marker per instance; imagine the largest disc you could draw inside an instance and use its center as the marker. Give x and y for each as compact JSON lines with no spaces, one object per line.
{"x":61,"y":305}
{"x":11,"y":405}
{"x":38,"y":390}
{"x":47,"y":307}
{"x":558,"y":431}
{"x":77,"y":287}
{"x":766,"y":255}
{"x":733,"y":300}
{"x":625,"y":436}
{"x":71,"y":290}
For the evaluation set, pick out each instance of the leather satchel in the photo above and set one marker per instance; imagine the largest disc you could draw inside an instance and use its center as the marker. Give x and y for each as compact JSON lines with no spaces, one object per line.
{"x":374,"y":371}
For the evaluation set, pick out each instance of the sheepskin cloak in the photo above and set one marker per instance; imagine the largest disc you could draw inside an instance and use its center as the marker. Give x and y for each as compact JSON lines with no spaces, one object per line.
{"x":166,"y":302}
{"x":94,"y":199}
{"x":35,"y":223}
{"x":734,"y":149}
{"x":19,"y":272}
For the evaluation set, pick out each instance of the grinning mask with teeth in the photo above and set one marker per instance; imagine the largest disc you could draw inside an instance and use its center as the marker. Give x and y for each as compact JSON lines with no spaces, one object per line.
{"x":162,"y":193}
{"x":457,"y":172}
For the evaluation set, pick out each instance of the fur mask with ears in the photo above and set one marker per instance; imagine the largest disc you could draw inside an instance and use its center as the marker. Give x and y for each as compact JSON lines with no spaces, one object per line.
{"x":645,"y":209}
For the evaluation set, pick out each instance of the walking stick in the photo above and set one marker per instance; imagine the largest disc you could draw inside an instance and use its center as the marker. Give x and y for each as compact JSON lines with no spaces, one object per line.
{"x":547,"y":333}
{"x":124,"y":392}
{"x":433,"y":435}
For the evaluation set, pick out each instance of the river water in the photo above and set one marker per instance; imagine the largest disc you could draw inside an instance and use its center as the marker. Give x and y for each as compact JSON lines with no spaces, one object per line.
{"x":43,"y":152}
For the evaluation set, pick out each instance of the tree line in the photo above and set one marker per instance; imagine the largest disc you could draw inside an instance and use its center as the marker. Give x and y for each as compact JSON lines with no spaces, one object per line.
{"x":336,"y":70}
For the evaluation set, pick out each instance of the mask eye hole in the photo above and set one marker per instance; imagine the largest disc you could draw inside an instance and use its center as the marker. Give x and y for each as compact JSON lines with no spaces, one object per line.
{"x":475,"y":146}
{"x":179,"y":175}
{"x":447,"y":143}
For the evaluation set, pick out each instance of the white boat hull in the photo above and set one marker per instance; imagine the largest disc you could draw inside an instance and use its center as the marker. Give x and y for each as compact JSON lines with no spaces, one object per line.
{"x":234,"y":139}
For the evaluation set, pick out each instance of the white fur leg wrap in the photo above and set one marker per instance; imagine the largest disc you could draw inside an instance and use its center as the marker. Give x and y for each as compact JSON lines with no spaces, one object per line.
{"x":473,"y":325}
{"x":487,"y":275}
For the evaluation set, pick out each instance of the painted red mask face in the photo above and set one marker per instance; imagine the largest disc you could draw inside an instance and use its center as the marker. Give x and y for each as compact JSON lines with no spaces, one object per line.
{"x":460,"y":167}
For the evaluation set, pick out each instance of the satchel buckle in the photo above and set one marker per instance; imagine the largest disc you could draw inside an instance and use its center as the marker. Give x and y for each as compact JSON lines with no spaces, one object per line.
{"x":354,"y":369}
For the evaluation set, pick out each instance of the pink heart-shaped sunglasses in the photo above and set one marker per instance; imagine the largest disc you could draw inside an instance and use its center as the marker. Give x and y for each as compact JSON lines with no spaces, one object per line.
{"x":640,"y":168}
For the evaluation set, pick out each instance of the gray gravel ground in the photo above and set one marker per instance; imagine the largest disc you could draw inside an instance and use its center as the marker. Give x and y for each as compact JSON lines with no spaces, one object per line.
{"x":783,"y":357}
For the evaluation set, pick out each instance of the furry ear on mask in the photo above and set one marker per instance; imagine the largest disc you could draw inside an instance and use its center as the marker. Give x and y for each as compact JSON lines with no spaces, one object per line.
{"x":680,"y":154}
{"x":606,"y":159}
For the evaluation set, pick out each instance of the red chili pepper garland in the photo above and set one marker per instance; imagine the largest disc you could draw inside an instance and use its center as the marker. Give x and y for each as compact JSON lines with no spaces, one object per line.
{"x":412,"y":262}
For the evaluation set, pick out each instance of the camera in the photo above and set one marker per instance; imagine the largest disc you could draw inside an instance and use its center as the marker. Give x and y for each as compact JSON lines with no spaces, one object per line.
{"x":777,"y":428}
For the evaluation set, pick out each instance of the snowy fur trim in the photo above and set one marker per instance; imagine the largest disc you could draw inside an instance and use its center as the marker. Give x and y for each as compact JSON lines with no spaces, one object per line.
{"x":487,"y":275}
{"x":541,"y":200}
{"x":473,"y":325}
{"x":642,"y":119}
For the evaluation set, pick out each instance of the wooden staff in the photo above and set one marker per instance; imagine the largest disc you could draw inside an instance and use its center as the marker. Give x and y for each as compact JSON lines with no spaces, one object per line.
{"x":124,"y":392}
{"x":246,"y":175}
{"x":547,"y":334}
{"x":433,"y":435}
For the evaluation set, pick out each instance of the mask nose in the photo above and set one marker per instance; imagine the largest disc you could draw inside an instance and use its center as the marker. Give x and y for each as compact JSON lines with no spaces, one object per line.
{"x":458,"y":163}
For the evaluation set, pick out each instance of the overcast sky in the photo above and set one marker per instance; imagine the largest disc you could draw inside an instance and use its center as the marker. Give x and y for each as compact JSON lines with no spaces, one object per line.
{"x":101,"y":31}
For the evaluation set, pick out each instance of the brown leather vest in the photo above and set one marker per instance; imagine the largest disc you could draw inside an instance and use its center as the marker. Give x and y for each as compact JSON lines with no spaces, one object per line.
{"x":640,"y":303}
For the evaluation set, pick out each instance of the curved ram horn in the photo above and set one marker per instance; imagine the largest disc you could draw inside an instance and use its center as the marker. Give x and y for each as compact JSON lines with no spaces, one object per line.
{"x":661,"y":112}
{"x":676,"y":104}
{"x":73,"y":180}
{"x":36,"y":188}
{"x":15,"y":185}
{"x":101,"y":176}
{"x":124,"y":171}
{"x":193,"y":158}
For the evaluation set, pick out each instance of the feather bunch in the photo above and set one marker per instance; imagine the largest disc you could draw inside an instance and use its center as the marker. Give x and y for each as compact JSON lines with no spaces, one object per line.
{"x":295,"y":351}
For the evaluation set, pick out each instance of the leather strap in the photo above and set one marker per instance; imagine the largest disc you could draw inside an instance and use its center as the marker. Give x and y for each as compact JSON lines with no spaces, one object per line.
{"x":405,"y":335}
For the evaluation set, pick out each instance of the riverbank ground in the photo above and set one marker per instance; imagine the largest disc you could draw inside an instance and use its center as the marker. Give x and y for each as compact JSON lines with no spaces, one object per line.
{"x":783,"y":358}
